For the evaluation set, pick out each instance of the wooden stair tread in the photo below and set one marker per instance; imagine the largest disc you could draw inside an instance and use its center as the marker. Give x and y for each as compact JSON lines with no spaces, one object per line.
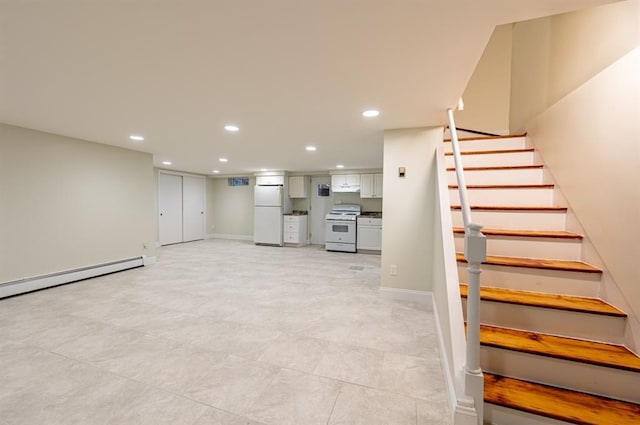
{"x":480,"y":138}
{"x":505,"y":186}
{"x":579,"y":350}
{"x":494,"y":151}
{"x":538,"y":299}
{"x":556,"y":234}
{"x":499,"y":167}
{"x":558,"y":403}
{"x":511,"y":208}
{"x":536,"y":263}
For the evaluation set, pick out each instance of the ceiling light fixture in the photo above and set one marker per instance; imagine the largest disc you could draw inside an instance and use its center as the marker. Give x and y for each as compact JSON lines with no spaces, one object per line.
{"x":310,"y":148}
{"x":232,"y":128}
{"x":339,"y":166}
{"x":223,"y":160}
{"x":136,"y":137}
{"x":216,"y":171}
{"x":166,"y":162}
{"x":263,"y":169}
{"x":370,"y":113}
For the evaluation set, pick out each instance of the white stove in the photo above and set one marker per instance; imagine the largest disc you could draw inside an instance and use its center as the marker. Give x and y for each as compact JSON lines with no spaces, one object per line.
{"x":340,"y":233}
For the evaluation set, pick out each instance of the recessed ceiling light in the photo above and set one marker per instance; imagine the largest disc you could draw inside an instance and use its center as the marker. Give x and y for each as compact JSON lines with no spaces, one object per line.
{"x":216,"y":171}
{"x":136,"y":137}
{"x":311,"y":148}
{"x":231,"y":127}
{"x":166,"y":162}
{"x":339,"y":166}
{"x":223,"y":160}
{"x":370,"y":113}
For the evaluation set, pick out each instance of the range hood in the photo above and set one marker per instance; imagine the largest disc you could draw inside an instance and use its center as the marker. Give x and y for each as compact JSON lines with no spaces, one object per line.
{"x":345,"y":183}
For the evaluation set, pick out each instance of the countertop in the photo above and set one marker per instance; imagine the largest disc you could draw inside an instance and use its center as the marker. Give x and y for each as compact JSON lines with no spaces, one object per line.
{"x":371,"y":214}
{"x":296,"y":212}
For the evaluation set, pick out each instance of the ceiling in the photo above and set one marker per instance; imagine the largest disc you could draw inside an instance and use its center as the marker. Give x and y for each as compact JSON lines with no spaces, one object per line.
{"x":288,"y":73}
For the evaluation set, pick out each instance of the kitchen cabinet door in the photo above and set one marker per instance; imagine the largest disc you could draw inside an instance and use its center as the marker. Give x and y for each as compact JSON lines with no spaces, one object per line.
{"x":371,"y":185}
{"x":370,"y":238}
{"x":377,"y":185}
{"x":345,"y":182}
{"x":366,"y":185}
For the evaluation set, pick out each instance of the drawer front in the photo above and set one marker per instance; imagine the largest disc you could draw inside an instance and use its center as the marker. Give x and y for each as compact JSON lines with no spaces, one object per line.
{"x":370,"y":221}
{"x":290,"y":219}
{"x":291,"y":238}
{"x":291,"y":227}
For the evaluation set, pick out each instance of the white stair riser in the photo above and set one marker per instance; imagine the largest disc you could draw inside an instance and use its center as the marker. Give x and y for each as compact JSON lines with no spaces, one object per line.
{"x":493,"y":159}
{"x":489,"y":144}
{"x":510,"y":176}
{"x":514,"y":220}
{"x":500,"y":415}
{"x":536,"y":280}
{"x":552,"y":321}
{"x":512,"y":197}
{"x":558,"y":249}
{"x":604,"y":381}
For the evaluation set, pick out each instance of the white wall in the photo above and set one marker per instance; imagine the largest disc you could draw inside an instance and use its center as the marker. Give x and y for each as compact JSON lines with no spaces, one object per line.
{"x":487,"y":95}
{"x":408,"y":215}
{"x":66,"y":203}
{"x":229,"y":208}
{"x":553,"y":56}
{"x":589,"y":140}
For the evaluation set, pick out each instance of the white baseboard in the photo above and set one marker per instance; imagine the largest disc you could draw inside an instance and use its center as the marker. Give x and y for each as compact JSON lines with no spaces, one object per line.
{"x":21,"y":286}
{"x":230,"y":237}
{"x":148,"y":260}
{"x":420,"y":297}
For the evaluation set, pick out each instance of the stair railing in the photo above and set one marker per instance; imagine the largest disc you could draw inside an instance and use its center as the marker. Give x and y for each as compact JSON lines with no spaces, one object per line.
{"x":475,"y":252}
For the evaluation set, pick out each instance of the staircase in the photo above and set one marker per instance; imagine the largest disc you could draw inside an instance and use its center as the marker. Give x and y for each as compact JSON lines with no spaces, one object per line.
{"x":551,"y":350}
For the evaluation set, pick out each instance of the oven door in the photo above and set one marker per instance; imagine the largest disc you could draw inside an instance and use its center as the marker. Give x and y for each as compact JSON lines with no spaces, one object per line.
{"x":340,"y":231}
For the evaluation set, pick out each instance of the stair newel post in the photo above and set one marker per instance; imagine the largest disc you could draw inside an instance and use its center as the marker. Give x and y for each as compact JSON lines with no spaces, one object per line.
{"x":475,"y":252}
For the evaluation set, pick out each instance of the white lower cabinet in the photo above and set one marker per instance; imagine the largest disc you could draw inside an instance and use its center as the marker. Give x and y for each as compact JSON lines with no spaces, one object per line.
{"x":295,"y":229}
{"x":369,"y":235}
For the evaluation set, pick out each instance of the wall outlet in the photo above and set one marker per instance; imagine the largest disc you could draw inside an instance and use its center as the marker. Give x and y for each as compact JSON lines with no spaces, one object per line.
{"x":393,"y":270}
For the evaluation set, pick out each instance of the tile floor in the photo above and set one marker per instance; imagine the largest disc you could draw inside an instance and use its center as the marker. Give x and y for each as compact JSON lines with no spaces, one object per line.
{"x":222,"y":332}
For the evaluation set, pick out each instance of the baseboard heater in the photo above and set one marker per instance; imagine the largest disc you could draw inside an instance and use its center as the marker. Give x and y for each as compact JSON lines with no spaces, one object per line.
{"x":29,"y":284}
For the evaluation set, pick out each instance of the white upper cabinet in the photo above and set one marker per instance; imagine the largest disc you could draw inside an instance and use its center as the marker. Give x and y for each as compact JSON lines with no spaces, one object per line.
{"x":345,"y":182}
{"x":371,"y":185}
{"x":298,"y":186}
{"x":269,"y":180}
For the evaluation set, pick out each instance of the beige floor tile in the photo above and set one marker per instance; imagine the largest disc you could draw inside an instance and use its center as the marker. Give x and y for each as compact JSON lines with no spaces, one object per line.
{"x":348,"y":363}
{"x":218,"y":336}
{"x":218,"y":417}
{"x":433,"y":413}
{"x":213,"y":322}
{"x":70,"y":393}
{"x":232,"y":384}
{"x":295,"y":398}
{"x":295,"y":352}
{"x":365,"y":406}
{"x":413,"y":376}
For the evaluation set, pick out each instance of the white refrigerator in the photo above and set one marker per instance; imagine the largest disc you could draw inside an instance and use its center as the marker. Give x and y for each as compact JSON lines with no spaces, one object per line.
{"x":267,"y":215}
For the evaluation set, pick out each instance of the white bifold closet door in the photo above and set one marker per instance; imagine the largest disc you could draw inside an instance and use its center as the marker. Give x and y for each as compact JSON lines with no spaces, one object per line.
{"x":181,"y":201}
{"x":193,"y":190}
{"x":170,"y":208}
